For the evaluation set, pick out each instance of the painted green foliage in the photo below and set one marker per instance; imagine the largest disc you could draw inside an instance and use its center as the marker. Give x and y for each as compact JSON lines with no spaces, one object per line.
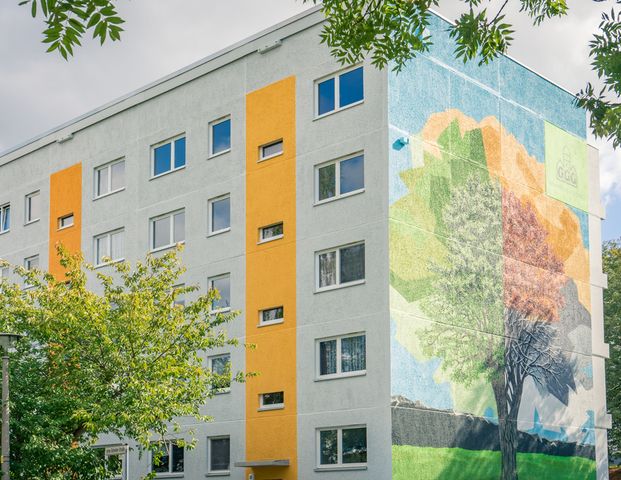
{"x":420,"y":213}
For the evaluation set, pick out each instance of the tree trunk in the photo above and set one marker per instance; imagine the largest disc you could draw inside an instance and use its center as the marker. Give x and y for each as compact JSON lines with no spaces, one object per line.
{"x":507,"y":430}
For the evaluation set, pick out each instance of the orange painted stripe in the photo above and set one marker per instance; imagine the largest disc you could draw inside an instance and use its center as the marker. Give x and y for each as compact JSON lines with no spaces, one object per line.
{"x":65,"y":199}
{"x":270,"y":278}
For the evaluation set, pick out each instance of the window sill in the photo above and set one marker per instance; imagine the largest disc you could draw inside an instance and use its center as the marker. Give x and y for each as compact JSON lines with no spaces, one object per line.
{"x":337,"y":376}
{"x":108,"y":264}
{"x":337,"y":287}
{"x":221,"y":391}
{"x":214,"y":155}
{"x":36,"y":220}
{"x":5,"y":231}
{"x":218,"y":232}
{"x":220,"y":310}
{"x":108,"y":194}
{"x":273,"y":322}
{"x":337,"y":110}
{"x":340,"y":468}
{"x":269,"y":157}
{"x":65,"y":227}
{"x":340,"y":197}
{"x":223,"y":473}
{"x":169,"y":475}
{"x":166,"y":247}
{"x":271,"y":239}
{"x":159,"y":175}
{"x":268,"y":408}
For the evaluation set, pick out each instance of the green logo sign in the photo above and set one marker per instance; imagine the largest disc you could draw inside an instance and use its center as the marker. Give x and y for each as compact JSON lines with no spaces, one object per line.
{"x":566,"y":167}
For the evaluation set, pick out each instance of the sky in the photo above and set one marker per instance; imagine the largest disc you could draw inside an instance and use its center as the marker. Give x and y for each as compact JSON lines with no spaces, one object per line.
{"x":39,"y":91}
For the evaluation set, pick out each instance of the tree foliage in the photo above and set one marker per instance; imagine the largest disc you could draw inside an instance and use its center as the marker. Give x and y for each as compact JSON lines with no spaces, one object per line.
{"x":612,"y":325}
{"x":107,"y":351}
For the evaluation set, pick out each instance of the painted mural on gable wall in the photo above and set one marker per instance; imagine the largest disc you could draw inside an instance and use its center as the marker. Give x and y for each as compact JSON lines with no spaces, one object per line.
{"x":489,"y":273}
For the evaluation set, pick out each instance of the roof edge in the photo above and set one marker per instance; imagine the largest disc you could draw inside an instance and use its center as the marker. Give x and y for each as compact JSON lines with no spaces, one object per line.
{"x":161,"y":81}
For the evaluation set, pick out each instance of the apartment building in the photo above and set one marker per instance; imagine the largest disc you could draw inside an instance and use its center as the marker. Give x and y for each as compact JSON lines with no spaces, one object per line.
{"x":416,"y":256}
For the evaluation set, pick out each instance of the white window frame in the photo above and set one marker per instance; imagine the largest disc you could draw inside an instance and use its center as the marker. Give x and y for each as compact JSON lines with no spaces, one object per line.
{"x":210,"y":281}
{"x":273,"y":406}
{"x":173,"y":152}
{"x":107,"y":166}
{"x":337,"y":180}
{"x":263,"y":323}
{"x":339,"y":446}
{"x":170,"y":463}
{"x":219,"y":391}
{"x":210,"y":202}
{"x":5,"y":272}
{"x":263,"y":239}
{"x":66,"y":217}
{"x":122,"y":456}
{"x":339,"y":373}
{"x":171,"y":232}
{"x":107,"y":235}
{"x":3,"y":209}
{"x":337,"y":79}
{"x":213,"y":124}
{"x":217,"y":472}
{"x":338,"y":283}
{"x":273,"y":155}
{"x":27,"y":207}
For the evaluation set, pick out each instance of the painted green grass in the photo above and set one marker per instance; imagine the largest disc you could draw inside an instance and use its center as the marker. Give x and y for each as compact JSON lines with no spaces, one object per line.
{"x":425,"y":463}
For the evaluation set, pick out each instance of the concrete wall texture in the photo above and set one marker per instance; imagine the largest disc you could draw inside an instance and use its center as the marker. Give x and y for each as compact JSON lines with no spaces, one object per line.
{"x":482,"y":296}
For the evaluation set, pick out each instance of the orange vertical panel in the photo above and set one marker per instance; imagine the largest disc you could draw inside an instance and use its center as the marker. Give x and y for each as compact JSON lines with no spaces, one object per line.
{"x":65,"y":199}
{"x":271,"y":278}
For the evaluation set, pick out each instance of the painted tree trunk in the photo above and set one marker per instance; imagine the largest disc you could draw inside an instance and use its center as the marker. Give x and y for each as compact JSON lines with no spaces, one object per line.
{"x":507,"y":430}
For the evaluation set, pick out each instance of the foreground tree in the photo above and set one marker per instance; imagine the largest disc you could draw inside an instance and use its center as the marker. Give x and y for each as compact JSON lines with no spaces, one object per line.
{"x":612,"y":325}
{"x":389,"y":32}
{"x":494,"y":301}
{"x":115,"y":353}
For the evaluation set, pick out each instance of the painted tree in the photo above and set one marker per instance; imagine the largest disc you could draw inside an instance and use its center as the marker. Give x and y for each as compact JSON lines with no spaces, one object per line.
{"x":499,"y":291}
{"x":109,"y":351}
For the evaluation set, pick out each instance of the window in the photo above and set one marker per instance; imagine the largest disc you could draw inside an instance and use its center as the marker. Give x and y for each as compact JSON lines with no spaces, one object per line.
{"x":270,"y":150}
{"x":109,"y":245}
{"x":269,"y":316}
{"x":219,"y":214}
{"x":167,"y":230}
{"x":220,"y":365}
{"x":65,"y":222}
{"x":340,"y":266}
{"x":272,"y":401}
{"x":33,"y":207}
{"x":4,"y":272}
{"x":222,"y":284}
{"x":219,"y":454}
{"x":115,"y":457}
{"x":342,"y":446}
{"x":168,"y":156}
{"x":170,"y":459}
{"x":271,"y":232}
{"x":220,"y":138}
{"x":339,"y":179}
{"x":339,"y":91}
{"x":30,"y":263}
{"x":109,"y":178}
{"x":341,"y":356}
{"x":5,"y":218}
